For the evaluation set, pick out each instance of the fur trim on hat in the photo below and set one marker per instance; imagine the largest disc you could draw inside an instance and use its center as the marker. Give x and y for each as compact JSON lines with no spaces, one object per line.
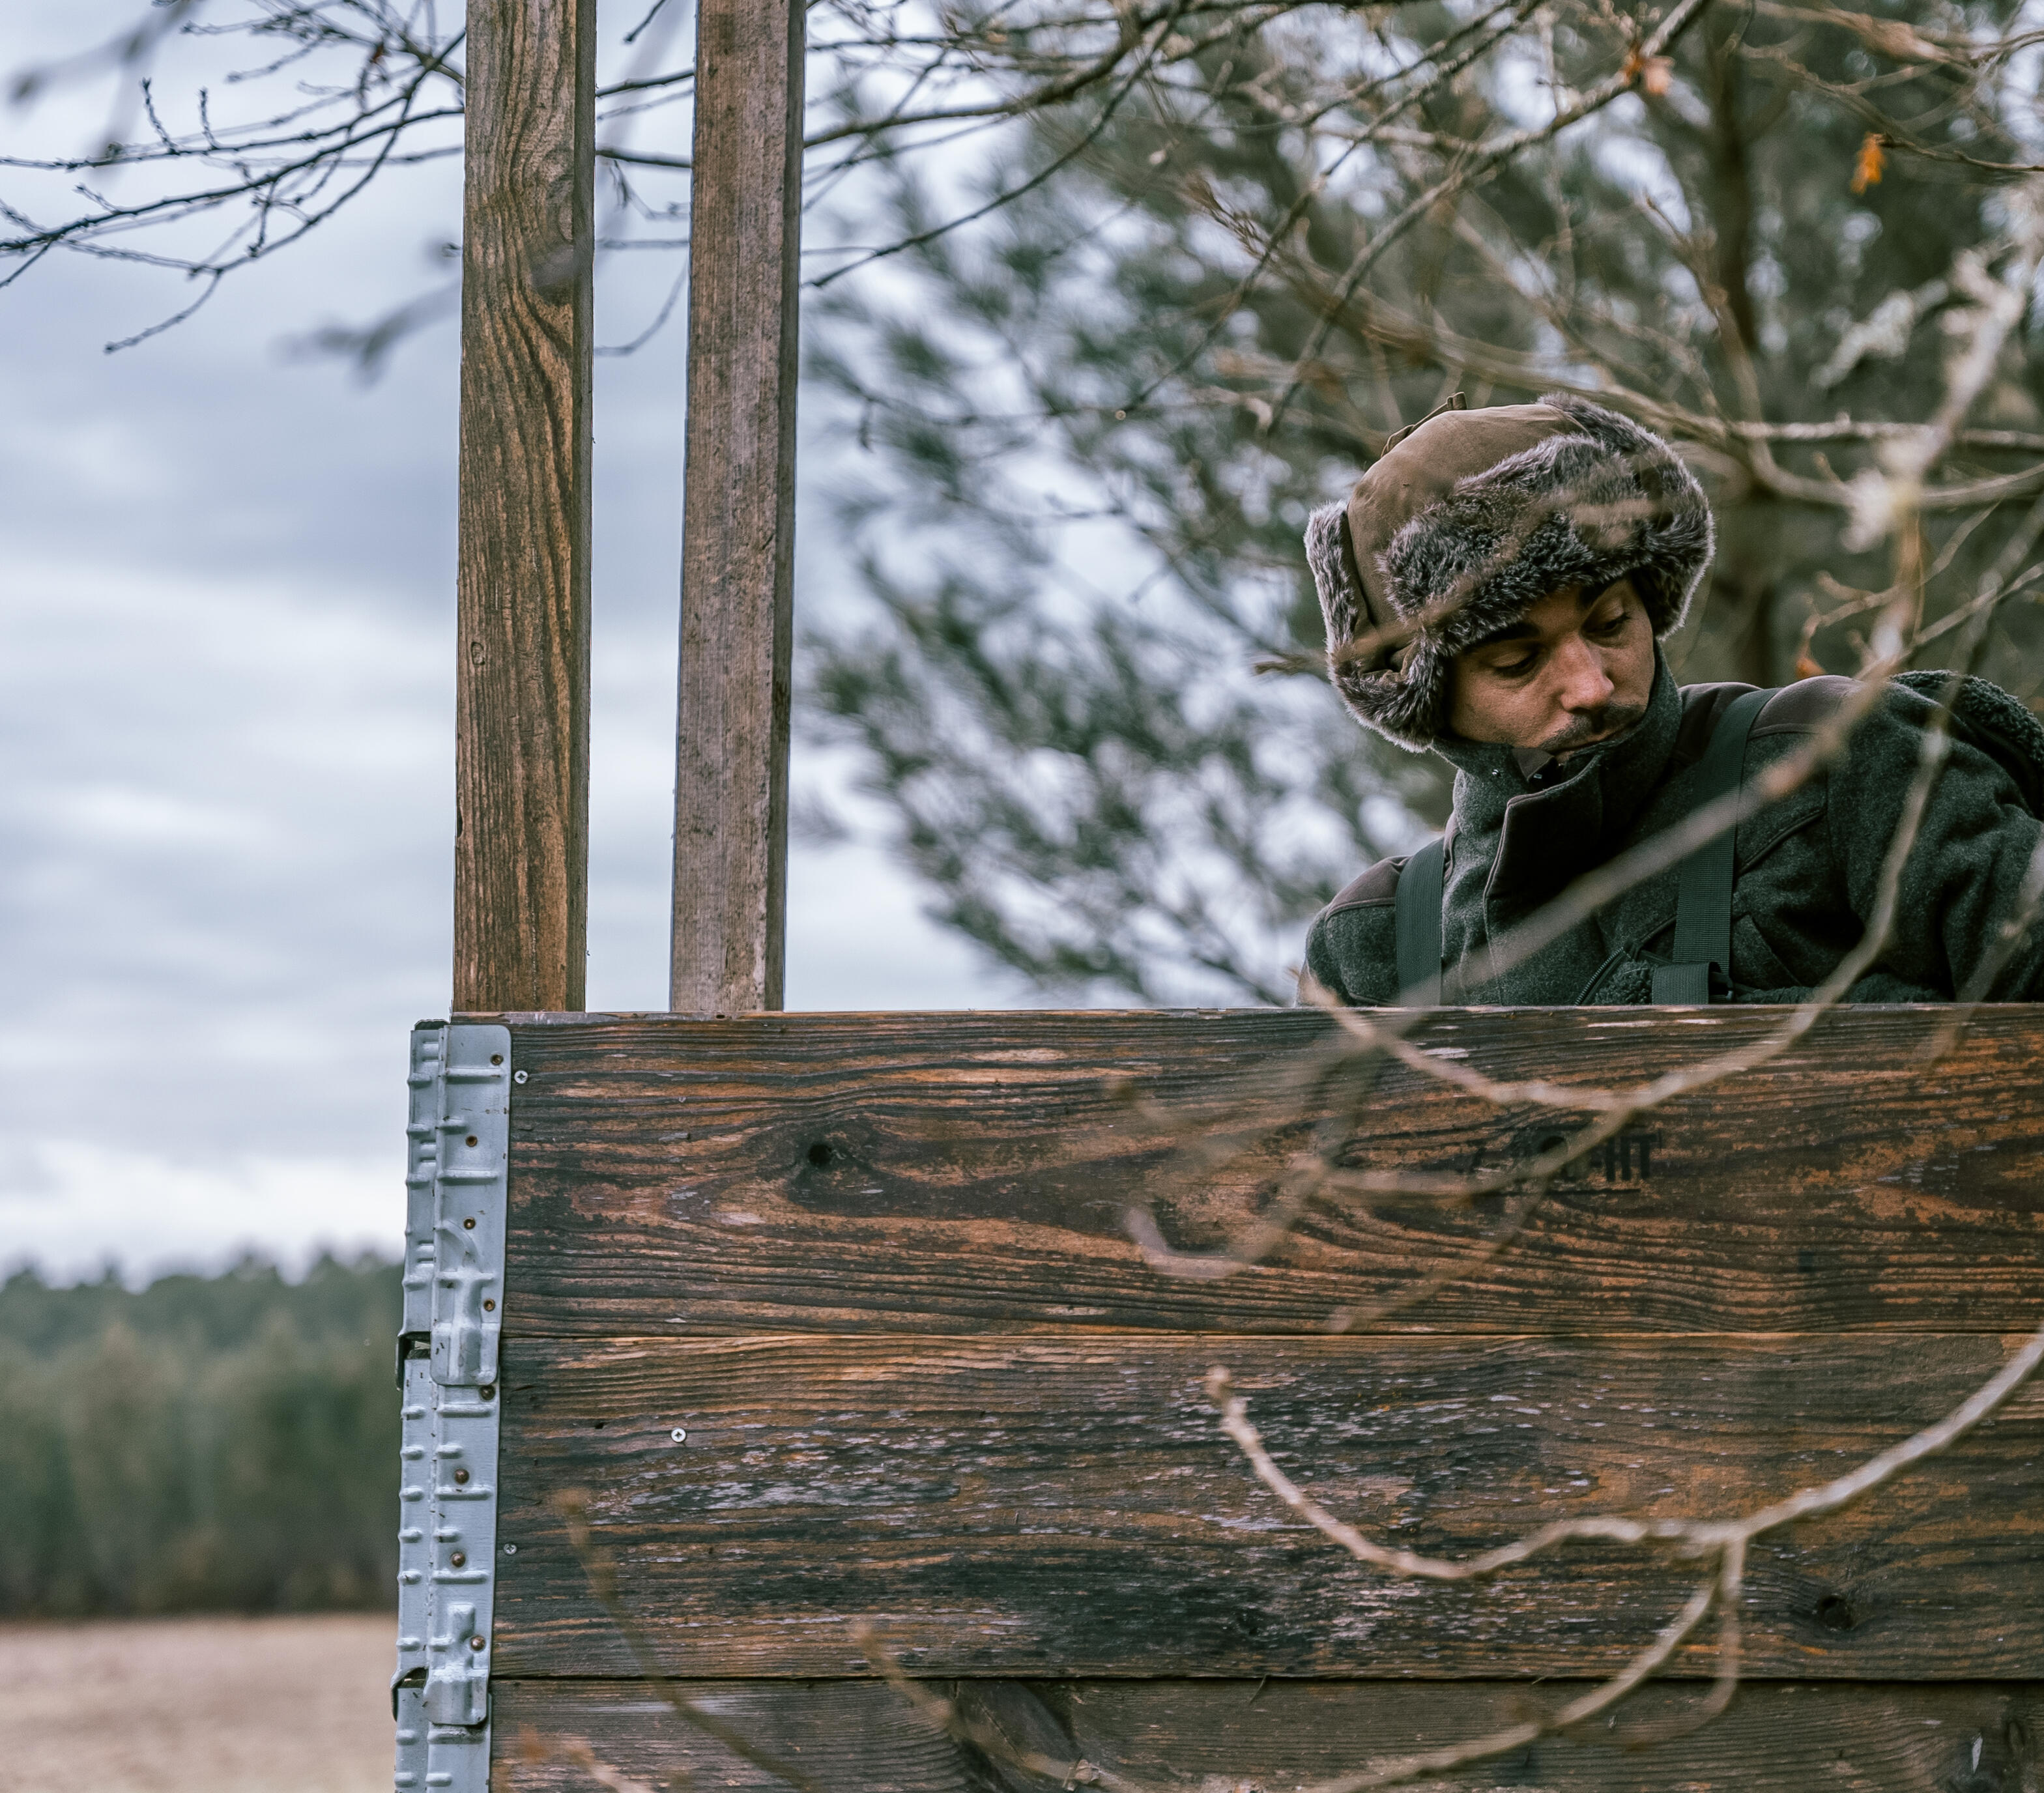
{"x":1600,"y":500}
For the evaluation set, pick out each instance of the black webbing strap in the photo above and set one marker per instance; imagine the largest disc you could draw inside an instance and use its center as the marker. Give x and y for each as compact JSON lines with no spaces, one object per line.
{"x":1417,"y":931}
{"x":1702,"y":891}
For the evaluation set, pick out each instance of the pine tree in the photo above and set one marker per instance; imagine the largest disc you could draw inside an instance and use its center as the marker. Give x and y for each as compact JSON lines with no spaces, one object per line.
{"x":1078,"y":529}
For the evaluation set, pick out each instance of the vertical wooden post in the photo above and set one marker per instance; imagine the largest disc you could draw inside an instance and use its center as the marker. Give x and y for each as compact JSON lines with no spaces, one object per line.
{"x":521,"y":777}
{"x":738,"y":511}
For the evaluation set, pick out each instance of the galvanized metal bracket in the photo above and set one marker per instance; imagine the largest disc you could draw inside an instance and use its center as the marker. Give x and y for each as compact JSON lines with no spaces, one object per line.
{"x":459,"y":1138}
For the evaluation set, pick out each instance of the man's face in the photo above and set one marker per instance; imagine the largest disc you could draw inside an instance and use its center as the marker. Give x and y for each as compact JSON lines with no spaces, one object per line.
{"x":1579,"y":668}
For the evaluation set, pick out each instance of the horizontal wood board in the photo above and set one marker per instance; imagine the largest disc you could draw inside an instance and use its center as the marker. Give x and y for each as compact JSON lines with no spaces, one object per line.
{"x":949,"y":1173}
{"x":860,"y":1737}
{"x":1020,"y":1507}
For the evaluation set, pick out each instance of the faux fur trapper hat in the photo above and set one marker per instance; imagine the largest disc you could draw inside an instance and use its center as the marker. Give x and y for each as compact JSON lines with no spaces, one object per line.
{"x":1471,"y":519}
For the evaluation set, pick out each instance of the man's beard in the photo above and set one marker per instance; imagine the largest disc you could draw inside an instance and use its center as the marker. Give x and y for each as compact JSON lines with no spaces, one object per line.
{"x":1593,"y":727}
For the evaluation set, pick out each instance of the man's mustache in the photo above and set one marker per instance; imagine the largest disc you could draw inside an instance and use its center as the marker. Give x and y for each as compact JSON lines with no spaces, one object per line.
{"x":1593,"y":725}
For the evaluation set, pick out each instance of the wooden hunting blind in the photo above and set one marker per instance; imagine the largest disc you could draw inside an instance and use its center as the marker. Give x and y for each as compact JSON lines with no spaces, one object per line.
{"x":731,"y":1331}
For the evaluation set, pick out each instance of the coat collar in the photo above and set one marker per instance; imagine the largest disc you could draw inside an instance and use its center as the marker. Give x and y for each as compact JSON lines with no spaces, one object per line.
{"x":1538,"y":836}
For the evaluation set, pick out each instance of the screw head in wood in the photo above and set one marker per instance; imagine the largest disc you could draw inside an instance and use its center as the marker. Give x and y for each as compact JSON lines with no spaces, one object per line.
{"x":680,"y":1434}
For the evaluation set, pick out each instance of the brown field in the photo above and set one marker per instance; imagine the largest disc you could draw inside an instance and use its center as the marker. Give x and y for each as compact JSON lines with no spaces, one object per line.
{"x":211,"y":1705}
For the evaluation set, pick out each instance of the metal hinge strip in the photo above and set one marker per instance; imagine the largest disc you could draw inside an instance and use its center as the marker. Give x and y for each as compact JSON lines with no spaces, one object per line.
{"x":459,"y":1137}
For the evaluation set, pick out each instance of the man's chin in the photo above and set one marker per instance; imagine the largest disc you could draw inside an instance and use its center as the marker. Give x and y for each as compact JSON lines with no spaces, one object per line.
{"x":1568,"y":741}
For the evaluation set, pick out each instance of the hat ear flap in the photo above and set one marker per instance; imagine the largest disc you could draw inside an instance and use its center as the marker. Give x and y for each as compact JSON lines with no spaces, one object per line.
{"x":1335,"y":579}
{"x":1377,"y":693}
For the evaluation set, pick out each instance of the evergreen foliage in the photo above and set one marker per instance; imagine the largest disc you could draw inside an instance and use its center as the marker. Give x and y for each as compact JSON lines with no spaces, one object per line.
{"x":225,"y":1442}
{"x":1079,"y":531}
{"x":1106,"y":294}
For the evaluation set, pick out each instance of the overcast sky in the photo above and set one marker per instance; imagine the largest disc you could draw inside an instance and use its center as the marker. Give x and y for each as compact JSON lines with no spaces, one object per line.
{"x":226,"y":615}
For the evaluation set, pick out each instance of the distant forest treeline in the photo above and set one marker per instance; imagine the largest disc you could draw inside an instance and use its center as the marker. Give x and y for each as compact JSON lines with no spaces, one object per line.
{"x":225,"y":1442}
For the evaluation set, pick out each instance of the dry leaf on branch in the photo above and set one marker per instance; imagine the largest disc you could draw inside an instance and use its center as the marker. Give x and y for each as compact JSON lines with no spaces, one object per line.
{"x":1652,"y":73}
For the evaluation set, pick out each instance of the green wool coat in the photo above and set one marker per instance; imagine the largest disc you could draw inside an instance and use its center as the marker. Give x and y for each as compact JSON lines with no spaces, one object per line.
{"x":1808,"y":865}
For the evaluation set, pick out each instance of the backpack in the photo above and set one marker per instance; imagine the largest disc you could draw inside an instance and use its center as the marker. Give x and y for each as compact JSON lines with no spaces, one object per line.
{"x":1983,"y":715}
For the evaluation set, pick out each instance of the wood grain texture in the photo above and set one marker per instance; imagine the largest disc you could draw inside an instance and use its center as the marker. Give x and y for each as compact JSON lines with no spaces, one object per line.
{"x":521,"y":844}
{"x":860,"y":1739}
{"x":1018,"y":1506}
{"x":731,"y":785}
{"x":952,"y":1173}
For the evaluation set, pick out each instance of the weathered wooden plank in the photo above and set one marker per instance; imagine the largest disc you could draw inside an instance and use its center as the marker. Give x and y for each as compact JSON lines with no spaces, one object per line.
{"x":1023,"y":1506}
{"x":1778,"y":1737}
{"x":738,"y":524}
{"x":958,"y":1171}
{"x":521,"y":708}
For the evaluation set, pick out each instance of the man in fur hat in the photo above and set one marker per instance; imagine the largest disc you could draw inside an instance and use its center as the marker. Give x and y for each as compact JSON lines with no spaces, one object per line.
{"x":1496,"y":589}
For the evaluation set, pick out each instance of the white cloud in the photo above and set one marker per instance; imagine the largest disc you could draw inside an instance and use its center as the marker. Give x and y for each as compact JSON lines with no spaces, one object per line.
{"x":226,"y":619}
{"x":70,"y":1205}
{"x":116,"y":817}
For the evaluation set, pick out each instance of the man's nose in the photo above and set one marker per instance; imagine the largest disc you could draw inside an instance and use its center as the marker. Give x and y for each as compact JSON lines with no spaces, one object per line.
{"x":1584,"y":683}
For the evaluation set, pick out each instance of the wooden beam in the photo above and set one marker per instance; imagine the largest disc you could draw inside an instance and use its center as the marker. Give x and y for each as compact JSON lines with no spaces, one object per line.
{"x":972,"y":1173}
{"x":835,"y":1317}
{"x":1034,"y":1506}
{"x":731,"y":787}
{"x":521,"y":776}
{"x":1778,"y":1737}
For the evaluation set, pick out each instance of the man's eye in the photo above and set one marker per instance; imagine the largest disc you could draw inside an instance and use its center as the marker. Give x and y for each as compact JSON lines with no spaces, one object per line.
{"x":1515,"y":669}
{"x":1611,"y":625}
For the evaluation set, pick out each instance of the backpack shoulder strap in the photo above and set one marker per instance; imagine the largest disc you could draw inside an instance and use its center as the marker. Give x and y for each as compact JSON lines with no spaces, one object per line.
{"x":1704,"y":879}
{"x":1417,"y":926}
